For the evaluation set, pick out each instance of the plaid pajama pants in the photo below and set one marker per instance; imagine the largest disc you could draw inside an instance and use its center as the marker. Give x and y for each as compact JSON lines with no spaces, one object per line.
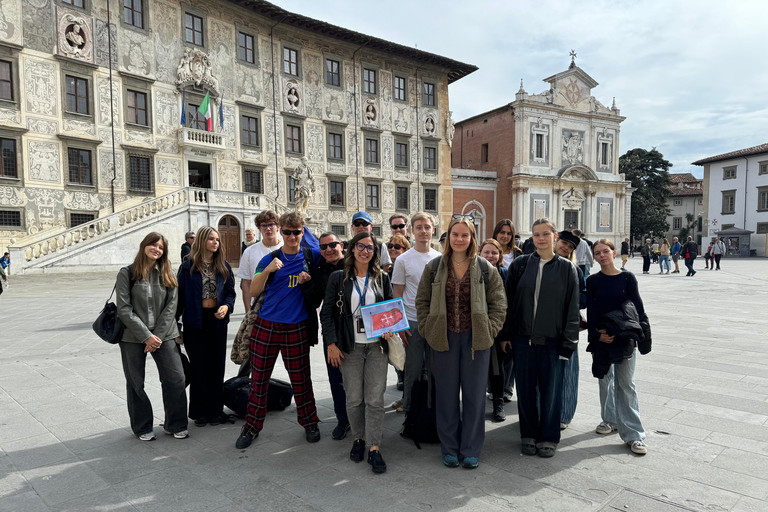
{"x":290,"y":340}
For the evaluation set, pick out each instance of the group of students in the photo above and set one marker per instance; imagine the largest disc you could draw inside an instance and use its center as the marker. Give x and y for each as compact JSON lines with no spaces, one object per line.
{"x":465,"y":319}
{"x":661,"y":253}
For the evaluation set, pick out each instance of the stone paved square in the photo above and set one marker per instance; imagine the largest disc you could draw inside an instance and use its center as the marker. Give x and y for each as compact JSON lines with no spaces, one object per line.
{"x":65,"y":442}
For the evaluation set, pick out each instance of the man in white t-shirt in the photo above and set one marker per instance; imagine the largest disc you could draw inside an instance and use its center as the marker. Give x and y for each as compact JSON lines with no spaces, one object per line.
{"x":361,"y":221}
{"x":266,"y":223}
{"x":409,"y":267}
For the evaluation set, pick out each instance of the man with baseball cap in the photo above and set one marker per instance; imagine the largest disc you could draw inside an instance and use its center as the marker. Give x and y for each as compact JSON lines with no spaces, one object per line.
{"x":362,"y":221}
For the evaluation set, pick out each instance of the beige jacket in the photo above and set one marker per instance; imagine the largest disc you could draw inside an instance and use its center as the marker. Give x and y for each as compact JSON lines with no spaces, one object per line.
{"x":488,"y":312}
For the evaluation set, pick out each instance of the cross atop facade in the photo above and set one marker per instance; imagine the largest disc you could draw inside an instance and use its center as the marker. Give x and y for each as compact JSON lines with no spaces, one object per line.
{"x":573,"y":58}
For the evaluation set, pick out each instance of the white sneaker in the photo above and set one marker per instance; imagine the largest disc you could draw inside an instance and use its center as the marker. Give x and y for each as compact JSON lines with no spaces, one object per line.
{"x":563,"y":426}
{"x":638,"y":447}
{"x":181,"y":434}
{"x":605,"y":428}
{"x":149,"y":436}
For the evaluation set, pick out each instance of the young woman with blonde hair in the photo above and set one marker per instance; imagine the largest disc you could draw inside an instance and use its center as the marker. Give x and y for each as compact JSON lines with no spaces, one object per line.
{"x":459,"y":314}
{"x":206,"y":300}
{"x":147,"y":296}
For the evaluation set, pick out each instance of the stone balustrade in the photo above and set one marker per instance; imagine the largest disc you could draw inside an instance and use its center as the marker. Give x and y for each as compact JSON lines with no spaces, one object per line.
{"x":201,"y":139}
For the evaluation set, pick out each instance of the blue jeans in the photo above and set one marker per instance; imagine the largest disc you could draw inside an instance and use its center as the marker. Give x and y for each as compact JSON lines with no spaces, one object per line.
{"x":461,"y":429}
{"x":618,"y":400}
{"x":538,"y":370}
{"x":663,"y":260}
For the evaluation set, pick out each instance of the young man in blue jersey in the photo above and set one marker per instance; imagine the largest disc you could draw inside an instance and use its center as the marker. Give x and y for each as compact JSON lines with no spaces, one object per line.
{"x":282,"y":327}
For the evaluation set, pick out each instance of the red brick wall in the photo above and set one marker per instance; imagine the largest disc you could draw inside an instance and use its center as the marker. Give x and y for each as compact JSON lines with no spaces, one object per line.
{"x":497,"y":129}
{"x":484,"y":197}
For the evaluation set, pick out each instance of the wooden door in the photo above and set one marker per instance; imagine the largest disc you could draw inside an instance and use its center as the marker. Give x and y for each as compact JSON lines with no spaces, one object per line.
{"x":229,"y":233}
{"x":571,"y":219}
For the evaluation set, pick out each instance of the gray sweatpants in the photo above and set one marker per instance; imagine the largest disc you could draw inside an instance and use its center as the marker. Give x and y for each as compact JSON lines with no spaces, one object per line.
{"x":365,"y":378}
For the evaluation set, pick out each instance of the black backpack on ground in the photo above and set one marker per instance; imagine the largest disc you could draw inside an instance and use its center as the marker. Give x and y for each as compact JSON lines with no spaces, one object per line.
{"x":420,"y":423}
{"x":237,"y":389}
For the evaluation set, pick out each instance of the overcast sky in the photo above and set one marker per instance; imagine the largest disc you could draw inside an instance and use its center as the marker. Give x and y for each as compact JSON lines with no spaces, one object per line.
{"x":690,"y":76}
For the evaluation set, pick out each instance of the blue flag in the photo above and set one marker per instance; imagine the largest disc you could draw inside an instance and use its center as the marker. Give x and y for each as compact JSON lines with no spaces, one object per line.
{"x":221,"y":112}
{"x":309,"y":240}
{"x":184,"y":107}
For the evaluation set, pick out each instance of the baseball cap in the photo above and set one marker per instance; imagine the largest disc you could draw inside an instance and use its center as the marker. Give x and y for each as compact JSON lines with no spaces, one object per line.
{"x":362,"y":216}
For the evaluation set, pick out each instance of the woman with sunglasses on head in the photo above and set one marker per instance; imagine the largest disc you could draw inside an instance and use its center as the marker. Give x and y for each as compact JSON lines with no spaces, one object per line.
{"x":504,"y":233}
{"x":147,"y":295}
{"x":396,"y":246}
{"x":566,"y":248}
{"x":363,"y":361}
{"x":613,"y":299}
{"x":497,"y":374}
{"x":459,"y":314}
{"x":543,"y":326}
{"x":289,"y":307}
{"x":206,"y":300}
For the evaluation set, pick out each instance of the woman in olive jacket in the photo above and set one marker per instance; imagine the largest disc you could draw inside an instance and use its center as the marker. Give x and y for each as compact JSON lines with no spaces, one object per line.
{"x":459,"y":314}
{"x":363,"y":362}
{"x":146,"y":304}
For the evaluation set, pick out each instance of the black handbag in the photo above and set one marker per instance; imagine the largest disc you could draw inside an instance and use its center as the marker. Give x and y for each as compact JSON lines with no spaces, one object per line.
{"x":108,"y":325}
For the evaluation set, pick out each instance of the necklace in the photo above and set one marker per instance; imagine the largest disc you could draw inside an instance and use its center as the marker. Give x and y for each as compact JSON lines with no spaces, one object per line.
{"x":462,"y":261}
{"x":292,"y":259}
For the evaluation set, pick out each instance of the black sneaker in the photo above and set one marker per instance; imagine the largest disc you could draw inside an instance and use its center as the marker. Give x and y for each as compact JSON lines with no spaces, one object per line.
{"x":313,"y":434}
{"x":377,"y":463}
{"x":201,"y":422}
{"x":215,"y":420}
{"x":358,"y":450}
{"x":245,"y":439}
{"x":340,"y":432}
{"x":498,"y":410}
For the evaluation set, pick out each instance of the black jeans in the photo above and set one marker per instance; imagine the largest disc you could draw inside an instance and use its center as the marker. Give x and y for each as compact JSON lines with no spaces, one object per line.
{"x":538,"y":368}
{"x":207,"y":350}
{"x":171,"y":380}
{"x":717,"y":260}
{"x":336,"y":382}
{"x":497,"y":375}
{"x":689,"y":264}
{"x":646,"y":263}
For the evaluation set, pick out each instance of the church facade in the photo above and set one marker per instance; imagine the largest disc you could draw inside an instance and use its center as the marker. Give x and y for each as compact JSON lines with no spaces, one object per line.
{"x":553,"y":154}
{"x":105,"y":134}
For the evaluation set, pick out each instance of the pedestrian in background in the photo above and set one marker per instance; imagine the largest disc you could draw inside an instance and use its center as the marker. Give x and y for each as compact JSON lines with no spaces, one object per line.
{"x":708,"y":256}
{"x":646,"y":252}
{"x":250,"y":239}
{"x":655,"y":251}
{"x":583,"y":253}
{"x":624,"y":252}
{"x":718,"y":250}
{"x":459,"y":317}
{"x":5,"y":264}
{"x":146,"y":299}
{"x":664,"y":249}
{"x":675,"y":253}
{"x":206,"y":301}
{"x":689,"y":250}
{"x":189,"y":239}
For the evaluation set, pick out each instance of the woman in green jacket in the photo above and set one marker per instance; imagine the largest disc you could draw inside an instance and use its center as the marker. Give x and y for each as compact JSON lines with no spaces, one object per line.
{"x":147,"y":294}
{"x":459,"y":314}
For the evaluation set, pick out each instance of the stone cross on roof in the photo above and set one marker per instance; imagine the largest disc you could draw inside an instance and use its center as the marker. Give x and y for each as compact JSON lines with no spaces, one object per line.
{"x":573,"y":58}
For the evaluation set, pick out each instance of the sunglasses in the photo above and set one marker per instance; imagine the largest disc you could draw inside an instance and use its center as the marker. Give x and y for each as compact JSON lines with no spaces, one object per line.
{"x":459,"y":216}
{"x":395,"y":246}
{"x":294,"y":232}
{"x":397,"y":226}
{"x":360,"y":223}
{"x":363,"y":247}
{"x":190,"y":238}
{"x":332,"y":245}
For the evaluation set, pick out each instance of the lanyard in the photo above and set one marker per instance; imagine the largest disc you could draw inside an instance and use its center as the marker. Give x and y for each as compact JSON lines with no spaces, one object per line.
{"x":365,"y":290}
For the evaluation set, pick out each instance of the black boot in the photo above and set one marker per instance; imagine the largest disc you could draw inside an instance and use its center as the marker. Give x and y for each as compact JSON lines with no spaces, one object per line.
{"x":498,"y":410}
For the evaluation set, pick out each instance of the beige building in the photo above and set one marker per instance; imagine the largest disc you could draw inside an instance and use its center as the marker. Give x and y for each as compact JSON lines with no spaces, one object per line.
{"x":686,"y":206}
{"x":94,"y":156}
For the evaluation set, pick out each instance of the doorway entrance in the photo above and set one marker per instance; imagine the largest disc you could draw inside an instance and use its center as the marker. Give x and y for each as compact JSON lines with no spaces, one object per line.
{"x":229,"y":234}
{"x":571,"y":220}
{"x":199,"y":174}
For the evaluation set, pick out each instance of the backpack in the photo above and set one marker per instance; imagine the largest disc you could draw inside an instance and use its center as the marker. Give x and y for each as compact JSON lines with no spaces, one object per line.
{"x":241,"y":346}
{"x":236,"y":390}
{"x":484,"y":268}
{"x":108,"y":325}
{"x":420,"y":423}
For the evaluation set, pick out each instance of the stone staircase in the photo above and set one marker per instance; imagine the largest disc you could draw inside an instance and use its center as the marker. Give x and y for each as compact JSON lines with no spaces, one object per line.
{"x":111,"y":241}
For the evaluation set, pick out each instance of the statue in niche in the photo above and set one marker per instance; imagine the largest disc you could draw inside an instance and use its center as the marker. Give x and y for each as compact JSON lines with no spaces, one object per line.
{"x":429,"y":125}
{"x":75,"y":36}
{"x":371,"y":115}
{"x":305,"y":185}
{"x":450,"y":128}
{"x":293,"y":98}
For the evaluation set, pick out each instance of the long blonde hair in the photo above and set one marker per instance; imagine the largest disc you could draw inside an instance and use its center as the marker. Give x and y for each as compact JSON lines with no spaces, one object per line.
{"x":198,"y":249}
{"x":141,"y":264}
{"x":472,"y":249}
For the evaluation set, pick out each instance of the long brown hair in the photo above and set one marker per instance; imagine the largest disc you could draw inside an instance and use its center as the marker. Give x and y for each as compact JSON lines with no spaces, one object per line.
{"x":141,"y":264}
{"x":511,"y":246}
{"x":198,"y":249}
{"x":374,"y":268}
{"x":472,"y":249}
{"x":497,"y":245}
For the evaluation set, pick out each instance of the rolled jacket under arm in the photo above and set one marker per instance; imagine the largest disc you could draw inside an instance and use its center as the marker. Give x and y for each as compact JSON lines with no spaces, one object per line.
{"x":133,"y":307}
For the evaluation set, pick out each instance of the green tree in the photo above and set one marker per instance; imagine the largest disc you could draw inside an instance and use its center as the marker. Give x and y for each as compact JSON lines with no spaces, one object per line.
{"x":649,"y":174}
{"x":689,"y":228}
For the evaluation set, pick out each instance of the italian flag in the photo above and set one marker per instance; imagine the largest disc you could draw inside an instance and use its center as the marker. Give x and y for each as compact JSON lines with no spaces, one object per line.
{"x":205,"y":110}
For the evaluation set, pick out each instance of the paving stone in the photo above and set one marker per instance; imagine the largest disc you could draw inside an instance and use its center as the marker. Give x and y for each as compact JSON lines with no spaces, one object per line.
{"x":59,"y":482}
{"x":28,"y":501}
{"x":37,"y":451}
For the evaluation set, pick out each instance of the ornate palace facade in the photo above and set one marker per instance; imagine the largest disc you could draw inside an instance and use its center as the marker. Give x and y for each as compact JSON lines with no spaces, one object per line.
{"x":95,"y":155}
